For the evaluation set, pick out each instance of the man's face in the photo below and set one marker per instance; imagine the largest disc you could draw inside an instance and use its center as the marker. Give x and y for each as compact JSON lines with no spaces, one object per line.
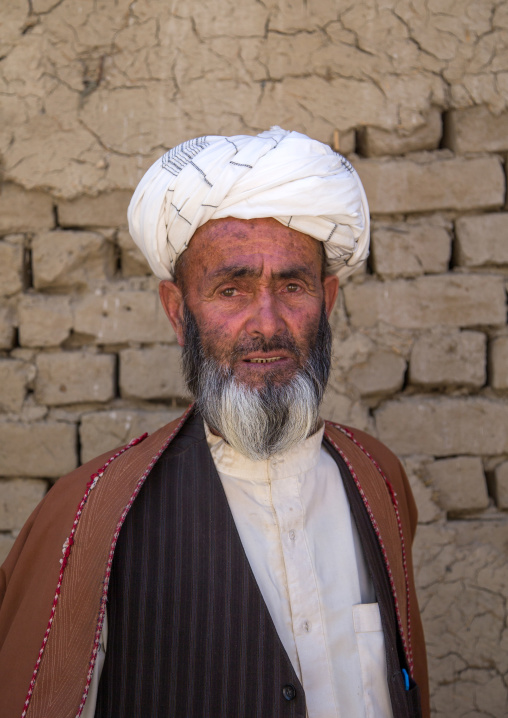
{"x":256,"y":291}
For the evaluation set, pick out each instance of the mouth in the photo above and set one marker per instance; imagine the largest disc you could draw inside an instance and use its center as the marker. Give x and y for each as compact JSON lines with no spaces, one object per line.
{"x":258,"y":362}
{"x":262,"y":360}
{"x":255,"y":367}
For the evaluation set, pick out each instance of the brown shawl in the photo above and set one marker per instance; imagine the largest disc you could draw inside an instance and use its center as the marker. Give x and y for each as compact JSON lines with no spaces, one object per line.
{"x":53,"y":585}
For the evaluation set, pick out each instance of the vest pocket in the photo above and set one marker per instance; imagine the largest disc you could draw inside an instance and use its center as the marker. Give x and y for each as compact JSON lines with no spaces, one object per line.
{"x":371,"y":650}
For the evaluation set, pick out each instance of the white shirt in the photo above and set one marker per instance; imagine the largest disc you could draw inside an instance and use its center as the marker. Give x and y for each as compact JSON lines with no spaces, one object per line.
{"x":295,"y":524}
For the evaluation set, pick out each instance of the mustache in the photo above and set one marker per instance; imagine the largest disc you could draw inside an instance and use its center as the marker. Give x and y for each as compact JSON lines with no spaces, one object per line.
{"x":281,"y":342}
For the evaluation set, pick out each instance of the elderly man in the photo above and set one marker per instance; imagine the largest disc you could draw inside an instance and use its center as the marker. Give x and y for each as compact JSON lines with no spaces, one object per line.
{"x":248,"y":559}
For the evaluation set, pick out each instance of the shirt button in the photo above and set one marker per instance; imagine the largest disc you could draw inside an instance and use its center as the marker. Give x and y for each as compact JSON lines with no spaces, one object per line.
{"x":307,"y":625}
{"x":289,"y":692}
{"x":292,"y":535}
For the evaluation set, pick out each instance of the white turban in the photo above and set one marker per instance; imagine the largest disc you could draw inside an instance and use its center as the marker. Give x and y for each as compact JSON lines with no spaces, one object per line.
{"x":298,"y":181}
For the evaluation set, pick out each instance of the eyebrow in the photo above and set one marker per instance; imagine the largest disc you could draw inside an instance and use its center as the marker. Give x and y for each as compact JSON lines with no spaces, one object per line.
{"x":300,"y":272}
{"x":240,"y":271}
{"x":235,"y":271}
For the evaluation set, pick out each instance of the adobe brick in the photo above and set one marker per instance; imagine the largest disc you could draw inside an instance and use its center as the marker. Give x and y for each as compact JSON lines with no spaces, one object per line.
{"x":14,"y":377}
{"x":403,"y":249}
{"x":73,"y":377}
{"x":122,"y":317}
{"x":37,"y":449}
{"x":7,"y":330}
{"x":449,"y":358}
{"x":133,"y":261}
{"x":500,"y":485}
{"x":11,"y":265}
{"x":380,"y":375}
{"x":432,"y":181}
{"x":375,"y":142}
{"x":482,"y":240}
{"x":441,"y":427}
{"x":448,"y":300}
{"x":44,"y":321}
{"x":498,"y":363}
{"x":152,"y":373}
{"x":70,"y":260}
{"x":460,"y":484}
{"x":476,"y":129}
{"x":24,"y":211}
{"x":106,"y":210}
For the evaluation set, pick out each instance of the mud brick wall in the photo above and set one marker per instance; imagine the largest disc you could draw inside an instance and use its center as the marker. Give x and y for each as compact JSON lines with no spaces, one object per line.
{"x":416,"y":95}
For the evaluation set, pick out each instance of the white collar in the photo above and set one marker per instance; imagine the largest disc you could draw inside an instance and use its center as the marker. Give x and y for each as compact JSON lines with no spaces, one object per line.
{"x":301,"y":458}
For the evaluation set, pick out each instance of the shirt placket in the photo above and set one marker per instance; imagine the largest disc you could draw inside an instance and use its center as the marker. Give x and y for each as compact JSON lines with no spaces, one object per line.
{"x":303,"y":592}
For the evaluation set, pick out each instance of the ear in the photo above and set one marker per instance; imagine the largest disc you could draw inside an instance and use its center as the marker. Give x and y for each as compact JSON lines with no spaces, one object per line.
{"x":172,"y":300}
{"x":330,"y":289}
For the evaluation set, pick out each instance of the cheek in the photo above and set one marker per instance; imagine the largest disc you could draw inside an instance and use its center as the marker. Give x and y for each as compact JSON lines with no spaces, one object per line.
{"x":218,"y":337}
{"x":303,"y":327}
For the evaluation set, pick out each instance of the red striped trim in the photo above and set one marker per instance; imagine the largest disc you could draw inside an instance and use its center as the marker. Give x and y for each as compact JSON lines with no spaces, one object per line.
{"x":67,"y":550}
{"x":393,"y":496}
{"x":107,"y":575}
{"x":94,"y":478}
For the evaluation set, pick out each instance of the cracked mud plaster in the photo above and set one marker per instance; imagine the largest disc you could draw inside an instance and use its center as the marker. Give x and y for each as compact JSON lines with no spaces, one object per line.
{"x":91,"y":94}
{"x":462,"y":578}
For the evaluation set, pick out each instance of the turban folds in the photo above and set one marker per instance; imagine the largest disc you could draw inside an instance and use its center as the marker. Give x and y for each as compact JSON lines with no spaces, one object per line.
{"x":298,"y":181}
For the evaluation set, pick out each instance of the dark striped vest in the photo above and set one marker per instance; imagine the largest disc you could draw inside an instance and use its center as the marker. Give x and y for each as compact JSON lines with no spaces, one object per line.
{"x":189,"y":634}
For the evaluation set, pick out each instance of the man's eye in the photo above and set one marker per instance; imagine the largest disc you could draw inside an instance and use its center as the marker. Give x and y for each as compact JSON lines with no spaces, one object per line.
{"x":228,"y":292}
{"x":292,"y":287}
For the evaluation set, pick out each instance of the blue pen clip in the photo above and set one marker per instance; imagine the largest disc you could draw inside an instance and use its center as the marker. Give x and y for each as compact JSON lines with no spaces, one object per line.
{"x":406,"y":679}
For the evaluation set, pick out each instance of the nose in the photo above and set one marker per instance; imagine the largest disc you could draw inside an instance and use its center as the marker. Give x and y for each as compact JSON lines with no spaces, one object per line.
{"x":265,"y":319}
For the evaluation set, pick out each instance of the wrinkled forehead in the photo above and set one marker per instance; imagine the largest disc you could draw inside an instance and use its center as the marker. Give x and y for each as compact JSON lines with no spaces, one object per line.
{"x":251,"y":245}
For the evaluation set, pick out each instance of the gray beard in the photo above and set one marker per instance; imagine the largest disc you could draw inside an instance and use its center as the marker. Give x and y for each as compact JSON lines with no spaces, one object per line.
{"x":258,"y":422}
